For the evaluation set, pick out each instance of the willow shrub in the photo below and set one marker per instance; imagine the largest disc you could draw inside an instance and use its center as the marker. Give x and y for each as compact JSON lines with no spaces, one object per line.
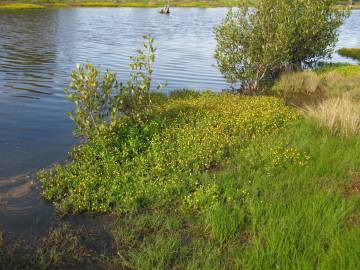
{"x":159,"y":161}
{"x":101,"y":101}
{"x":257,"y":42}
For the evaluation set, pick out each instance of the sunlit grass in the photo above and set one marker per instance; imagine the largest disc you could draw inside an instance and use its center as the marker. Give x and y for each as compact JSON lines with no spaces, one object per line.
{"x":340,"y":68}
{"x":19,"y":6}
{"x":353,"y":53}
{"x":340,"y":115}
{"x":96,"y":4}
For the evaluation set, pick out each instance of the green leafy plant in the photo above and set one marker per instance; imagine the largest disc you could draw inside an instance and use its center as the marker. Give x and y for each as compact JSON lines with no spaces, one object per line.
{"x":147,"y":164}
{"x":254,"y":44}
{"x":101,"y":101}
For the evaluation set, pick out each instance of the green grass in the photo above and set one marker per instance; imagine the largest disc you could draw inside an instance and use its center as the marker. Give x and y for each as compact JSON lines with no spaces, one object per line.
{"x":20,"y":6}
{"x":63,"y":247}
{"x":96,"y":4}
{"x":353,"y":53}
{"x":281,"y":202}
{"x":340,"y":68}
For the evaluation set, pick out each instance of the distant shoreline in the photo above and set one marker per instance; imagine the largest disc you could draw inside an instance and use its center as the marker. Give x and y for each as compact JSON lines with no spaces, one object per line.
{"x":14,"y":5}
{"x":140,"y":4}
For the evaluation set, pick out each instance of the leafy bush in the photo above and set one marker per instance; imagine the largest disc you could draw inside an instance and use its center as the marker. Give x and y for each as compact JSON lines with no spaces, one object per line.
{"x":353,"y":53}
{"x":101,"y":101}
{"x":158,"y":161}
{"x":255,"y":44}
{"x":340,"y":115}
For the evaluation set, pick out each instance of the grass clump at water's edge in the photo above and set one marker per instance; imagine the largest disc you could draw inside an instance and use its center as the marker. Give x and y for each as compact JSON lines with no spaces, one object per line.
{"x":353,"y":53}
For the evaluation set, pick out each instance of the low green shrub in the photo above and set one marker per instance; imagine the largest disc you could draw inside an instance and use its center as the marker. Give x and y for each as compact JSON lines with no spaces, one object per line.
{"x":101,"y":102}
{"x":353,"y":53}
{"x":157,"y":162}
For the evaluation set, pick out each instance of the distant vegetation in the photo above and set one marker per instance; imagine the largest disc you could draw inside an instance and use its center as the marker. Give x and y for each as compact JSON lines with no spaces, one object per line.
{"x":119,"y":3}
{"x":353,"y":53}
{"x":18,"y":6}
{"x":137,"y":3}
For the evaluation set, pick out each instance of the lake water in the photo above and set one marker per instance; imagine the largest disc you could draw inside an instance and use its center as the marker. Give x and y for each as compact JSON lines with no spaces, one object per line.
{"x":38,"y":50}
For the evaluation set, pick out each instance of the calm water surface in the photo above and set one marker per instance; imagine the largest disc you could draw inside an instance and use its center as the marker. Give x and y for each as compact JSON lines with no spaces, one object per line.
{"x":38,"y":50}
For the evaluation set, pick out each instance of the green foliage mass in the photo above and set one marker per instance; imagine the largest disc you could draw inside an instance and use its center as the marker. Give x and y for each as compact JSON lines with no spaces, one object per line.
{"x":353,"y":53}
{"x":156,"y":162}
{"x":101,"y":101}
{"x":258,"y":43}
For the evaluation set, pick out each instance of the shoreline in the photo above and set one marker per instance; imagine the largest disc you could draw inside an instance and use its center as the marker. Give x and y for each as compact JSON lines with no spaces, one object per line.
{"x":42,"y":5}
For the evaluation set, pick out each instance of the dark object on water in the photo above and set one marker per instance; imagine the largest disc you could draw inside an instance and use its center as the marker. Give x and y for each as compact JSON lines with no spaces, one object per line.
{"x":165,"y":10}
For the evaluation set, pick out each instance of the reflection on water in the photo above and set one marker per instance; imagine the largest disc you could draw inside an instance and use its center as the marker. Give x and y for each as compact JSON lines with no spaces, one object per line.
{"x":38,"y":49}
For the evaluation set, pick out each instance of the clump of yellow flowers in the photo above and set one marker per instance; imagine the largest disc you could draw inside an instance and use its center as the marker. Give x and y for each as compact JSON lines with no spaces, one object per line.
{"x":161,"y":160}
